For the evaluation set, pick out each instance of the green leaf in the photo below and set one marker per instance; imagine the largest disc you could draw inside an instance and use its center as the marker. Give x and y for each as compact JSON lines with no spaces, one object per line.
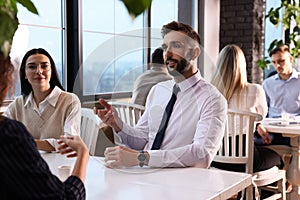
{"x":136,"y":7}
{"x":263,"y":63}
{"x":8,"y":25}
{"x":9,"y":22}
{"x":29,"y":5}
{"x":290,"y":17}
{"x":274,"y":44}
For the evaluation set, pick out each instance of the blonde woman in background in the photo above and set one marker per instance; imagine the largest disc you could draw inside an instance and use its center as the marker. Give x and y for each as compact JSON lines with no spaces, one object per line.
{"x":230,"y":78}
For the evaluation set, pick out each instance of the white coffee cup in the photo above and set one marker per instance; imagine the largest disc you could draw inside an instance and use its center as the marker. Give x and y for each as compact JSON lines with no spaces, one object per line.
{"x":285,"y":118}
{"x":64,"y":171}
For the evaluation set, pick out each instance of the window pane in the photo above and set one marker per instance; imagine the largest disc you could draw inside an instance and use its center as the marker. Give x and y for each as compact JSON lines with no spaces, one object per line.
{"x":111,"y":47}
{"x":110,"y":61}
{"x":156,"y":39}
{"x":128,"y":61}
{"x":271,"y":33}
{"x":98,"y":54}
{"x":98,"y":15}
{"x":124,"y":23}
{"x":163,"y":12}
{"x":49,"y":13}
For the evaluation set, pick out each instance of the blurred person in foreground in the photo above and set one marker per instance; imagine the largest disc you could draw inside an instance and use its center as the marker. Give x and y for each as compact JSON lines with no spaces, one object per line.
{"x":196,"y":126}
{"x":157,"y":73}
{"x":44,"y":107}
{"x":24,"y":173}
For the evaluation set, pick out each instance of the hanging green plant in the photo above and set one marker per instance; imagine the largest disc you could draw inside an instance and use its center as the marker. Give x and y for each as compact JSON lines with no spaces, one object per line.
{"x":136,"y":7}
{"x":9,"y":22}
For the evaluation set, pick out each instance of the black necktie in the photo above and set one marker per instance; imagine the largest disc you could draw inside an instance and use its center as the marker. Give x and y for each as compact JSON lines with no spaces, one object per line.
{"x":164,"y":122}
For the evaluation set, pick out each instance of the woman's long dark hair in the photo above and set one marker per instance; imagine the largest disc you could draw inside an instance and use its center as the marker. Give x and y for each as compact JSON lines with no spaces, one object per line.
{"x":26,"y":87}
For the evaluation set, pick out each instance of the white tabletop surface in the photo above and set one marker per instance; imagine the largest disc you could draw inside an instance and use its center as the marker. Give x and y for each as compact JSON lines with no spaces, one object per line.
{"x":160,"y":184}
{"x":291,"y":130}
{"x":275,"y":125}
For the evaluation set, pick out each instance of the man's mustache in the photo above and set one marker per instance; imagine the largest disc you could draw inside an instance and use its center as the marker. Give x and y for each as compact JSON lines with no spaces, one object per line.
{"x":172,"y":60}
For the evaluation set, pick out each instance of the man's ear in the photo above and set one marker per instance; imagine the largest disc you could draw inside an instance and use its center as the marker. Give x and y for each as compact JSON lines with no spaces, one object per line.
{"x":291,"y":59}
{"x":196,"y":53}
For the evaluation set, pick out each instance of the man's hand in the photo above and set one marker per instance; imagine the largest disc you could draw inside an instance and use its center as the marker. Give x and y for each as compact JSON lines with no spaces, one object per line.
{"x":120,"y":156}
{"x":109,"y":115}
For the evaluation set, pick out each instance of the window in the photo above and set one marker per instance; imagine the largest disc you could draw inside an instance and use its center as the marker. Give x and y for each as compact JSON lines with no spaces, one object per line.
{"x":114,"y":45}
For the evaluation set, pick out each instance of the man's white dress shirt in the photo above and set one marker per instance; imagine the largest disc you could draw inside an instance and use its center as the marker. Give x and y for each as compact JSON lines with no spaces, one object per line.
{"x":195,"y":129}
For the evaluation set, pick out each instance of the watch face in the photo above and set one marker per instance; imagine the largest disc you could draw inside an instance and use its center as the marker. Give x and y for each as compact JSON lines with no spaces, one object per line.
{"x":142,"y":157}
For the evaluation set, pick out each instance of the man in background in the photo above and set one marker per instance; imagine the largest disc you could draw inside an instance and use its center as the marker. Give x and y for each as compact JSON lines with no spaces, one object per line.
{"x":282,"y":92}
{"x":147,"y":80}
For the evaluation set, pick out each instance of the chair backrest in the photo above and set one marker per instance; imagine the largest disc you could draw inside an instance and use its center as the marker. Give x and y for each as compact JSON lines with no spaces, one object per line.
{"x":5,"y":105}
{"x":237,"y":145}
{"x":89,"y":128}
{"x":128,"y":112}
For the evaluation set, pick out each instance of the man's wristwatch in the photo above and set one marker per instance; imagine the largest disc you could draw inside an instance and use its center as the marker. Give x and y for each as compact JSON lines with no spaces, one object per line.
{"x":141,"y":158}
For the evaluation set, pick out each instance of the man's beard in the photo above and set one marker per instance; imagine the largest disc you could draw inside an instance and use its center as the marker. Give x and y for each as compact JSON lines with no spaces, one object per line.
{"x":181,"y":67}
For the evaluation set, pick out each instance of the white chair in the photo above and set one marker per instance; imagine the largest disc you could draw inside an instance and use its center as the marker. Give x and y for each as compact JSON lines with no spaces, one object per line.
{"x":237,"y":148}
{"x":89,"y":128}
{"x":128,"y":112}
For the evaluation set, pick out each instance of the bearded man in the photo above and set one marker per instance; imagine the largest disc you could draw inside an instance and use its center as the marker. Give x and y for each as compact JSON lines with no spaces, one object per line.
{"x":190,"y":135}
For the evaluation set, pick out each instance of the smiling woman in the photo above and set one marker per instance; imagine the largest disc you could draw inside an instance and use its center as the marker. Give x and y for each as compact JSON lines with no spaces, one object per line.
{"x":44,"y":107}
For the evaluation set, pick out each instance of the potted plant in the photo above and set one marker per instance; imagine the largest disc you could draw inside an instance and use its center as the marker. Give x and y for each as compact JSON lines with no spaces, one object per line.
{"x":291,"y":22}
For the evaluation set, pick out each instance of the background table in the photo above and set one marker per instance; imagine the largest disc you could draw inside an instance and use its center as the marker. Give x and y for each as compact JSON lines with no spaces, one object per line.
{"x":153,"y":183}
{"x":292,"y":131}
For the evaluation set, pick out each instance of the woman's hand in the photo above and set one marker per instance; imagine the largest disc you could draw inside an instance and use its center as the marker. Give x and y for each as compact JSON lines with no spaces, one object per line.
{"x":264,"y":134}
{"x":72,"y":146}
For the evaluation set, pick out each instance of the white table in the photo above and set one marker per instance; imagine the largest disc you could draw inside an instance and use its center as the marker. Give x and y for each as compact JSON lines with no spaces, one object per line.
{"x":159,"y":184}
{"x":292,"y":131}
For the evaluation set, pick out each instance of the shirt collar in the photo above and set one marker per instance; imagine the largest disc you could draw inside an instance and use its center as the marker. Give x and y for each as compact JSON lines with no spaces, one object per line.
{"x":294,"y":75}
{"x":190,"y":82}
{"x":52,"y":98}
{"x":29,"y":100}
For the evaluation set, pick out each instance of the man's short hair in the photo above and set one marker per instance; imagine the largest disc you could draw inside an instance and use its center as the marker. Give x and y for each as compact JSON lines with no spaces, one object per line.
{"x":280,"y":48}
{"x":157,"y":56}
{"x":178,"y":26}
